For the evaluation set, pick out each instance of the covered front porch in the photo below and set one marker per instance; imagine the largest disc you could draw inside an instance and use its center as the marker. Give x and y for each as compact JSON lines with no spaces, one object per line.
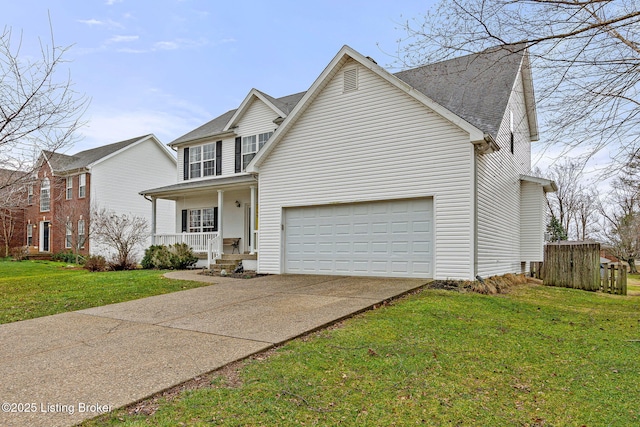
{"x":214,"y":216}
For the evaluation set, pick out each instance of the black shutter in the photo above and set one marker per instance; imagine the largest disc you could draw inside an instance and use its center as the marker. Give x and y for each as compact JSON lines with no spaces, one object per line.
{"x":184,"y":220}
{"x":238,"y":154}
{"x":185,"y":162}
{"x":218,"y":157}
{"x":215,"y":219}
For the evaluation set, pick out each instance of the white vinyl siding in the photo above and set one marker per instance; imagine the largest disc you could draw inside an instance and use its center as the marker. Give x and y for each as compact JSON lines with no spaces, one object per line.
{"x":498,"y":199}
{"x":115,"y":184}
{"x":532,"y":226}
{"x":376,"y":143}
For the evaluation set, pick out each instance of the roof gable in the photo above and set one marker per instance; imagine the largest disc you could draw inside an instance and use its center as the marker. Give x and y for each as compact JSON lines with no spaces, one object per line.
{"x":222,"y":124}
{"x":62,"y":163}
{"x":345,"y":54}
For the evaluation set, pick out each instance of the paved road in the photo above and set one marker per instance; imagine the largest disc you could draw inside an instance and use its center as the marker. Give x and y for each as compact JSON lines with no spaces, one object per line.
{"x":59,"y":370}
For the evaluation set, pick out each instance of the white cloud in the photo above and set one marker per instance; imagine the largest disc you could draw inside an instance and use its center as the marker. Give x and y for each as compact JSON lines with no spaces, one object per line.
{"x":112,"y":2}
{"x":122,"y":39}
{"x":91,"y":22}
{"x":166,"y":45}
{"x":96,"y":22}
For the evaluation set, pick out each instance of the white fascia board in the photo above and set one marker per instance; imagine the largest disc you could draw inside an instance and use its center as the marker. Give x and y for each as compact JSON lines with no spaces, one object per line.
{"x":141,"y":140}
{"x":548,"y":185}
{"x":529,"y":97}
{"x":245,"y":104}
{"x":346,"y":52}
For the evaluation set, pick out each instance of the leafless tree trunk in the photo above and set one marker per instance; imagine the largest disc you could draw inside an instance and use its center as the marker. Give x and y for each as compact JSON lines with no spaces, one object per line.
{"x":39,"y":110}
{"x":585,"y":59}
{"x":123,"y":234}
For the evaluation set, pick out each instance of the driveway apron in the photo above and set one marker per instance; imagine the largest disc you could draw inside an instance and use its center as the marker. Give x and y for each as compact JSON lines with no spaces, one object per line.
{"x":60,"y":370}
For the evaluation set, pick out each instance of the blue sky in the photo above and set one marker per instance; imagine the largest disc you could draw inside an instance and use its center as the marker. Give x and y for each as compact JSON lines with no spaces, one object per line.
{"x":168,"y":66}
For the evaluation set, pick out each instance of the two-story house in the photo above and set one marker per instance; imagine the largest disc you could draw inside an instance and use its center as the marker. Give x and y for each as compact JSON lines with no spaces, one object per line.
{"x":67,"y":189}
{"x":422,"y":173}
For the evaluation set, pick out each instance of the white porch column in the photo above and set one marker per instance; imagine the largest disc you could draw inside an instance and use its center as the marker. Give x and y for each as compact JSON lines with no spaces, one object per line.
{"x":252,"y":221}
{"x":153,"y":220}
{"x":220,"y":207}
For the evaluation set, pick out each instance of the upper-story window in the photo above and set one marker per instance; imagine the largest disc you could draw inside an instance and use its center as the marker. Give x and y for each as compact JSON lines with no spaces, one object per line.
{"x":82,"y":185}
{"x":69,"y":187}
{"x":30,"y":194}
{"x":202,"y":161}
{"x":45,"y":195}
{"x":251,"y":145}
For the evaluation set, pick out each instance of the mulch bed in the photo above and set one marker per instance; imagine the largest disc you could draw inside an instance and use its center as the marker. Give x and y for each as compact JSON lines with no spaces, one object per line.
{"x":245,"y":275}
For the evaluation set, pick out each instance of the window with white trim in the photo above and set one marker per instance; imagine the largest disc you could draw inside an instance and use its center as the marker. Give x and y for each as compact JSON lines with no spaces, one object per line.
{"x":30,"y":194}
{"x":69,"y":187}
{"x":29,"y":235}
{"x":68,"y":236}
{"x":202,"y":160}
{"x":202,"y":220}
{"x":81,"y":233}
{"x":82,"y":185}
{"x":251,"y":145}
{"x":45,"y":195}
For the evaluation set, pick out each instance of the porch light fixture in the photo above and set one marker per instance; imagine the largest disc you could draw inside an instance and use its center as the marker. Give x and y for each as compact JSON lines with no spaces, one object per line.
{"x":237,"y":204}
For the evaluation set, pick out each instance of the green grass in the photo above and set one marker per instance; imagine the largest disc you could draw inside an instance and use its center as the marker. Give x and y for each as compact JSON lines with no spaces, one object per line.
{"x":633,"y":284}
{"x":537,"y":356}
{"x":30,"y":289}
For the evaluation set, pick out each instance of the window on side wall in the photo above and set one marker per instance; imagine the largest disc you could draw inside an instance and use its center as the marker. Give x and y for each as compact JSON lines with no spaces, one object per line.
{"x":81,"y":233}
{"x":29,"y":235}
{"x":68,"y":235}
{"x":82,"y":185}
{"x":30,"y":194}
{"x":45,"y":195}
{"x":69,"y":187}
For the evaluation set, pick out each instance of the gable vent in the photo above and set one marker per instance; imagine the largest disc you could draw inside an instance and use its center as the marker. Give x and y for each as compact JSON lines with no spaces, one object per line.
{"x":351,"y":80}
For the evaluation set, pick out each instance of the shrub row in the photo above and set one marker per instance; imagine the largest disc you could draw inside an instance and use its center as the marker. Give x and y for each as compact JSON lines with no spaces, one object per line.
{"x":173,"y":257}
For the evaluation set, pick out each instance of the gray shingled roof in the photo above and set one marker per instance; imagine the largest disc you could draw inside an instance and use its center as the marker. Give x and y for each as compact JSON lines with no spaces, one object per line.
{"x":215,"y":126}
{"x":62,"y":162}
{"x":475,"y":87}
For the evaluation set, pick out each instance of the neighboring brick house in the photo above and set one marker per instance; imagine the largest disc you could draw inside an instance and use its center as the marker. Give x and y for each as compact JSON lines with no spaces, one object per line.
{"x":67,"y":188}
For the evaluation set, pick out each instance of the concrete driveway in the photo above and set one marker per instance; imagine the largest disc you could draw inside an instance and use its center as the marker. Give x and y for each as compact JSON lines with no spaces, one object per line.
{"x":59,"y":370}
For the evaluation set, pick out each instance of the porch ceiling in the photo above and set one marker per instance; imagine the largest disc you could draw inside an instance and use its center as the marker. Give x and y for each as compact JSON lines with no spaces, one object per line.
{"x":190,"y":188}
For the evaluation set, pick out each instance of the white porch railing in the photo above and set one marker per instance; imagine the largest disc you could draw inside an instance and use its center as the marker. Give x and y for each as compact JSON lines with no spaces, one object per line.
{"x":199,"y":242}
{"x":214,"y":249}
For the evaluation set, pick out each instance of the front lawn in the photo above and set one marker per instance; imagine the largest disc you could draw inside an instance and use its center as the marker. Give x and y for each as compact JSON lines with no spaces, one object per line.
{"x":538,"y":356}
{"x":31,"y":289}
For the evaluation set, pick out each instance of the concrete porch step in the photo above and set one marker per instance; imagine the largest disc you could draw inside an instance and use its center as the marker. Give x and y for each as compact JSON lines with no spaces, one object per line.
{"x":238,"y":257}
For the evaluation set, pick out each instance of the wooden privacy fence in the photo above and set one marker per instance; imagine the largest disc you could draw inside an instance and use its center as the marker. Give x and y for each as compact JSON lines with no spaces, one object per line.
{"x":614,"y":278}
{"x":577,"y":265}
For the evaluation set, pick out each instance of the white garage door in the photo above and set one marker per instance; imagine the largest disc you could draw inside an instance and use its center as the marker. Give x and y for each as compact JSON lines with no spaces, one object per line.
{"x":388,"y":238}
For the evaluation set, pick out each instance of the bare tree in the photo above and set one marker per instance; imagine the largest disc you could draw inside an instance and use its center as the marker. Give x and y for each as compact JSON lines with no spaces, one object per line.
{"x":38,"y":110}
{"x":586,"y":212}
{"x":122,"y":234}
{"x":621,"y":214}
{"x":564,"y":203}
{"x":585,"y":56}
{"x":75,"y":217}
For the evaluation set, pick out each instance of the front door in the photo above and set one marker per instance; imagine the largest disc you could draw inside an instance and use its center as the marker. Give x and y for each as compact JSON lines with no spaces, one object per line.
{"x":45,"y":236}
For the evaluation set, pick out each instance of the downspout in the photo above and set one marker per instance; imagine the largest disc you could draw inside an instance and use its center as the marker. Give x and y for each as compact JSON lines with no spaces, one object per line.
{"x":153,"y":217}
{"x":475,"y":212}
